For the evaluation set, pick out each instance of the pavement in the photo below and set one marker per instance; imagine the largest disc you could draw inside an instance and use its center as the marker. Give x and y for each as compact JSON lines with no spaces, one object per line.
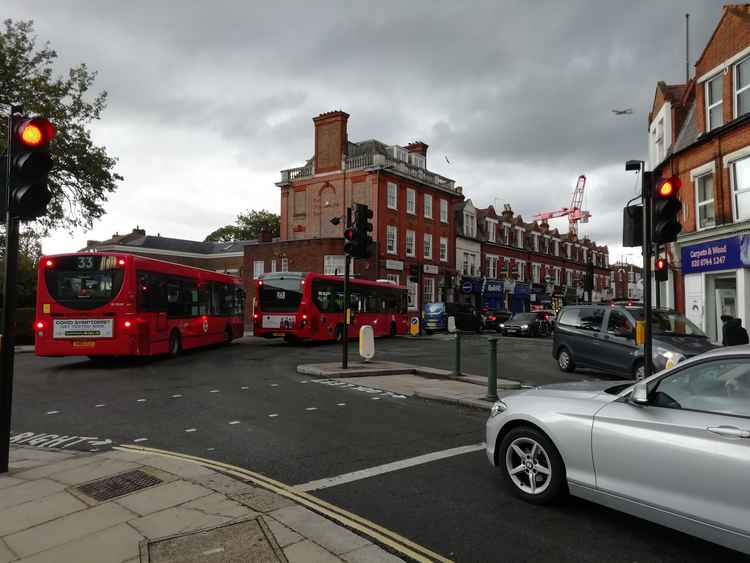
{"x":186,"y":512}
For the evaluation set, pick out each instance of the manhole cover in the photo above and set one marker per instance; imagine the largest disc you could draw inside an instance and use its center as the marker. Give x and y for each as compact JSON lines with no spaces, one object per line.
{"x":118,"y":485}
{"x":236,"y":542}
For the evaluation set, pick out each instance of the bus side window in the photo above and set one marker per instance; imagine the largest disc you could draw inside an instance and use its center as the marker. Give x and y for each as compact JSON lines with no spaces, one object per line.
{"x":204,"y":298}
{"x":174,"y":301}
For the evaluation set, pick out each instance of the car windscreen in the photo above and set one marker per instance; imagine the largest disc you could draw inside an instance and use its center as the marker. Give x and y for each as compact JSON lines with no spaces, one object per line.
{"x":280,"y":295}
{"x":83,"y":282}
{"x":669,"y":323}
{"x":434,"y":308}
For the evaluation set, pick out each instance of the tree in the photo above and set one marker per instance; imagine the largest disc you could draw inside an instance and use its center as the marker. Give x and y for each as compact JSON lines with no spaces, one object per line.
{"x":29,"y":251}
{"x":247,"y":227}
{"x":83,"y":173}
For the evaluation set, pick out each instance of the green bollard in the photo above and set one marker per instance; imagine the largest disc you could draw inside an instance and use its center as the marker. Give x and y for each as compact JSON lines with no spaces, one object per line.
{"x":492,"y":376}
{"x":457,"y":370}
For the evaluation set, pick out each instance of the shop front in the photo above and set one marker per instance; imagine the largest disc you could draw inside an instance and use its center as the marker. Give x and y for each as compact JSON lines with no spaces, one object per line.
{"x":470,"y":291}
{"x":539,"y":298}
{"x":521,"y":301}
{"x":492,"y":295}
{"x":717,"y":282}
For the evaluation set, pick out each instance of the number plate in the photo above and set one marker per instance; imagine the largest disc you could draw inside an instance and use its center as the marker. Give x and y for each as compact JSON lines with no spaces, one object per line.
{"x":278,"y":333}
{"x":84,"y":344}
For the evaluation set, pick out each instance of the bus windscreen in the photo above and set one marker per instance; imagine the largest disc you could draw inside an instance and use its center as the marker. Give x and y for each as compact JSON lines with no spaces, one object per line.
{"x":280,"y":295}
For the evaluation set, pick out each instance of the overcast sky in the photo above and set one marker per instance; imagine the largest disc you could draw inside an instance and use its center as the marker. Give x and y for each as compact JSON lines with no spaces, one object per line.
{"x":209,"y":100}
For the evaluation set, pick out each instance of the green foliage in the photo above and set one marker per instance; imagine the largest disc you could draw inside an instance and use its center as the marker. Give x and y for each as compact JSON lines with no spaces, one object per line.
{"x":247,"y":227}
{"x":83,"y":174}
{"x":29,"y":251}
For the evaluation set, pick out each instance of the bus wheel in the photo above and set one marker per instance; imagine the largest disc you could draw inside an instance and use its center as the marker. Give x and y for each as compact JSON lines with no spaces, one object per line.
{"x":339,"y":333}
{"x":175,"y":344}
{"x":393,"y":328}
{"x":227,"y":335}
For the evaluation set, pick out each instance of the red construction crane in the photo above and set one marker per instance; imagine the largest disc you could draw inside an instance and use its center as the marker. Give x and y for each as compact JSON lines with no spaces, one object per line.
{"x":574,"y":212}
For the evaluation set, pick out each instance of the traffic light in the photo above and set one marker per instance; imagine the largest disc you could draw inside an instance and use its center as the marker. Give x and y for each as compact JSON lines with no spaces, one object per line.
{"x":632,"y":225}
{"x":358,"y":240}
{"x":666,"y":225}
{"x":661,"y":271}
{"x":30,"y":163}
{"x":414,"y":273}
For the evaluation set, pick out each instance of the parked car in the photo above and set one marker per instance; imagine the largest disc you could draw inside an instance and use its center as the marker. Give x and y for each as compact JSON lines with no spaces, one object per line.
{"x":493,"y":319}
{"x":436,"y":317}
{"x":641,"y":448}
{"x":603,"y":337}
{"x":534,"y":323}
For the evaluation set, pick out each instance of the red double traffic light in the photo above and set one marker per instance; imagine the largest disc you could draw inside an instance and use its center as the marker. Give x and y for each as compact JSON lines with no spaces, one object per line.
{"x":661,"y":271}
{"x":667,"y":206}
{"x":30,"y":163}
{"x":35,"y":132}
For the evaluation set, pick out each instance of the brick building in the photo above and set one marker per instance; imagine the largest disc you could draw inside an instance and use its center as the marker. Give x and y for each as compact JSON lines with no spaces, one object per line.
{"x":226,"y":257}
{"x":700,"y":131}
{"x":627,"y":281}
{"x":506,"y":263}
{"x":412,"y":212}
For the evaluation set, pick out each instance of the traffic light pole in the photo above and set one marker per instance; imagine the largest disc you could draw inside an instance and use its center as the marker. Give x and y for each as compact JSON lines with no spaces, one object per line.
{"x":657,"y":283}
{"x":347,"y":307}
{"x":7,"y":339}
{"x":647,"y":192}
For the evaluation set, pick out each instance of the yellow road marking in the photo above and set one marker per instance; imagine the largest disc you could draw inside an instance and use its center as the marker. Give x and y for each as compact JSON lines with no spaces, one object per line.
{"x":383,"y":535}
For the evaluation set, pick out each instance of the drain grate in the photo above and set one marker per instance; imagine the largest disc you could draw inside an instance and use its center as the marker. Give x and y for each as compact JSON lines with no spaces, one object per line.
{"x":119,"y":485}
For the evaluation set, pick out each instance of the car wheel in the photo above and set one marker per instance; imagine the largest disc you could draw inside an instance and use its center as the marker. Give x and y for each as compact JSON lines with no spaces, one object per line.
{"x":565,"y":360}
{"x":532,"y":466}
{"x":175,"y":344}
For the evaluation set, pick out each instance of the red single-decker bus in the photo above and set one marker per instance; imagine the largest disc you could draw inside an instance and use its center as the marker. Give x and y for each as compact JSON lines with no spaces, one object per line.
{"x":309,"y":306}
{"x":112,"y":304}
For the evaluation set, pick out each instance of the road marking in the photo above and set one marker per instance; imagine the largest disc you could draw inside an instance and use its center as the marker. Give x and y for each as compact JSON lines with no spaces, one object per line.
{"x":386,"y":468}
{"x":53,"y":412}
{"x":42,"y":440}
{"x":389,"y":538}
{"x":213,"y":551}
{"x":141,"y":401}
{"x":214,"y":391}
{"x":190,"y":429}
{"x":177,"y":396}
{"x":340,"y":404}
{"x":234,"y":422}
{"x":375,"y":398}
{"x":139,"y":440}
{"x":100,"y":405}
{"x":273,"y":415}
{"x":210,"y":449}
{"x":355,"y":387}
{"x":274,"y":384}
{"x":311,"y":408}
{"x":304,"y":381}
{"x":244,"y":387}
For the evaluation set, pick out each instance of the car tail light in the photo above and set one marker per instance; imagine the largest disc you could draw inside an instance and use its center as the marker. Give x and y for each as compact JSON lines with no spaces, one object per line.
{"x":493,"y":318}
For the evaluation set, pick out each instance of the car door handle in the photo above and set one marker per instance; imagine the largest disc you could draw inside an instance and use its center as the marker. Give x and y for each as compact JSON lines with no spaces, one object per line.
{"x":731,"y":431}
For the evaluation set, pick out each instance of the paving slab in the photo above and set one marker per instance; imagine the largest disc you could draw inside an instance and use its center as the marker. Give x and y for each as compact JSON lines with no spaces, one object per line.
{"x":154,"y":499}
{"x":370,"y":554}
{"x":218,"y":504}
{"x":63,"y":464}
{"x":6,"y":555}
{"x":68,"y":528}
{"x":7,"y":481}
{"x":308,"y":552}
{"x":185,"y":469}
{"x":174,"y":521}
{"x":30,"y":514}
{"x":28,"y":491}
{"x":262,"y":500}
{"x":322,"y":531}
{"x":25,"y":453}
{"x":224,"y":484}
{"x":98,"y":468}
{"x":285,"y":536}
{"x":112,"y":545}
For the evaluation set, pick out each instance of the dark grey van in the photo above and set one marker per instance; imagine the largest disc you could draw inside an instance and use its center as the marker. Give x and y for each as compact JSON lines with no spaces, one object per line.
{"x":603,"y":337}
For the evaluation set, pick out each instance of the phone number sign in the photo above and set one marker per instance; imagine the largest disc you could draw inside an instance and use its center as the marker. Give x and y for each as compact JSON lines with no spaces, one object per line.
{"x":723,"y":254}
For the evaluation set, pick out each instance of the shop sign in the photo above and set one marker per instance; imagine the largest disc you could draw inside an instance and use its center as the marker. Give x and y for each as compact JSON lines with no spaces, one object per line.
{"x":467,"y":286}
{"x":430,"y":269}
{"x":394,"y":265}
{"x":493,"y":287}
{"x":722,"y":254}
{"x":521,"y":288}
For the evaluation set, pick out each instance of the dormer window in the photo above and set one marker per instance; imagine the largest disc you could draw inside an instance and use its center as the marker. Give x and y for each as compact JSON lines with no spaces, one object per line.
{"x":742,"y":87}
{"x":491,"y":230}
{"x":470,"y":224}
{"x":400,"y":154}
{"x":714,"y":102}
{"x":417,"y":160}
{"x":519,"y":238}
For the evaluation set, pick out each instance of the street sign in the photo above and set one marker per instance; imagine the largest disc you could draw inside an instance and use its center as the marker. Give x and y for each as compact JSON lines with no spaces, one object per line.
{"x":467,"y":287}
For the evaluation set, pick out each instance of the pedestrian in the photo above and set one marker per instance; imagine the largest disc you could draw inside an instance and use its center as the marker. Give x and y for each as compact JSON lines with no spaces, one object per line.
{"x":733,"y":333}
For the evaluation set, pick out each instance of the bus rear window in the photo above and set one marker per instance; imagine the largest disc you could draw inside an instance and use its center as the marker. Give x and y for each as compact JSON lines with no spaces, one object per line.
{"x":280,"y":295}
{"x":83,"y":282}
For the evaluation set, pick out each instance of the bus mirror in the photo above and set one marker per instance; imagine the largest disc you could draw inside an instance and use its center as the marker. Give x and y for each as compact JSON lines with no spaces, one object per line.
{"x":451,"y":324}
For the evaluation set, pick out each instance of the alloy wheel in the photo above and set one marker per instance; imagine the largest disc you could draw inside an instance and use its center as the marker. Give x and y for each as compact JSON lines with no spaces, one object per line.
{"x":528,"y":465}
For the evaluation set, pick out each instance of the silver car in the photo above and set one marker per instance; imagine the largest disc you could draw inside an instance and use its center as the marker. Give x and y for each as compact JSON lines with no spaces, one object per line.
{"x":673,"y":448}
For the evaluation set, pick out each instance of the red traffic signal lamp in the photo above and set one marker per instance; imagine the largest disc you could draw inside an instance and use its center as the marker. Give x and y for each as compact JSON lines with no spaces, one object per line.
{"x":661,"y":269}
{"x":666,"y":210}
{"x":30,"y":164}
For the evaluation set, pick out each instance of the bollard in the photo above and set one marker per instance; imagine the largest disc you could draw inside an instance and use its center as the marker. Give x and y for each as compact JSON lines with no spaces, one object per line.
{"x":457,"y":370}
{"x":492,"y":376}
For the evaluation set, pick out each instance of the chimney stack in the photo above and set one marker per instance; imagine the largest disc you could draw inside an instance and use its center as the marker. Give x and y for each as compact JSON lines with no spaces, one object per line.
{"x":331,"y":140}
{"x":418,"y":147}
{"x":507,"y":213}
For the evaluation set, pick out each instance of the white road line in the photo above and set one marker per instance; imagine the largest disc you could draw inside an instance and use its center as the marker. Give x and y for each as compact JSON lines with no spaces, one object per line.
{"x":53,"y":412}
{"x":273,"y":415}
{"x":375,"y":398}
{"x":340,"y":404}
{"x":210,"y":449}
{"x":190,"y":429}
{"x":234,"y":422}
{"x":213,"y":551}
{"x":141,"y":400}
{"x":214,"y":391}
{"x":387,"y":468}
{"x":274,"y":384}
{"x":137,"y":440}
{"x":311,"y":408}
{"x":100,"y":405}
{"x":244,"y":387}
{"x":177,"y":396}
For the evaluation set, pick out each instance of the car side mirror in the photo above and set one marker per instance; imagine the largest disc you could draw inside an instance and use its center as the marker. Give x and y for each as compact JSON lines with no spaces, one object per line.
{"x":639,"y":395}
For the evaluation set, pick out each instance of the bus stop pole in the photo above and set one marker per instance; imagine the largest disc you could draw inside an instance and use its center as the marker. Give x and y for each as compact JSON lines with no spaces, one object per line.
{"x":7,"y":340}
